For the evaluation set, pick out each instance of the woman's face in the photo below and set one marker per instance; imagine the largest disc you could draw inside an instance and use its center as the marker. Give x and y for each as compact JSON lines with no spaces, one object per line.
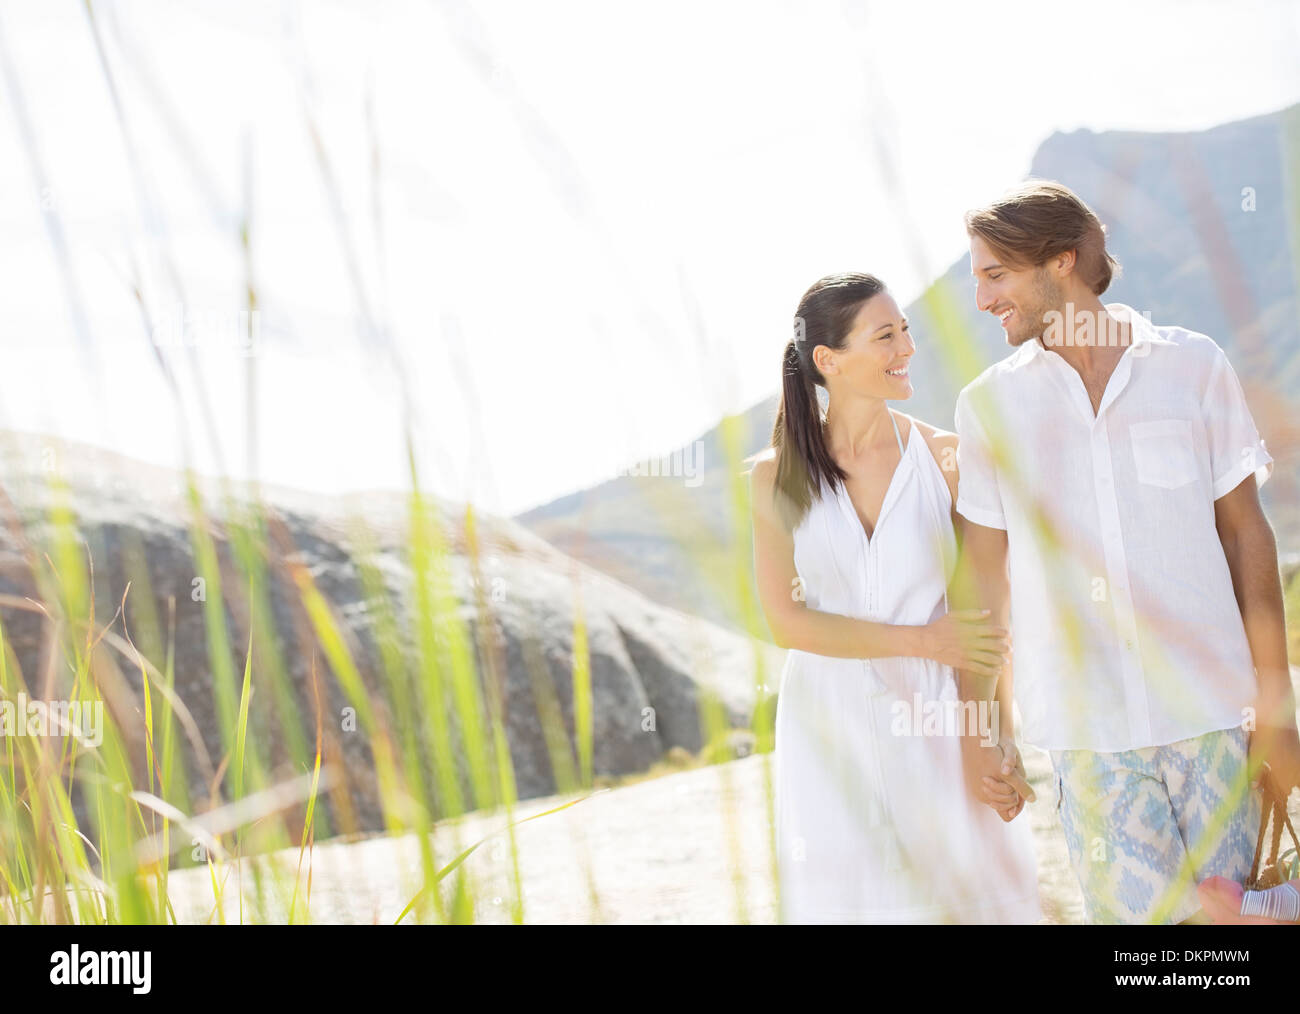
{"x":874,"y":362}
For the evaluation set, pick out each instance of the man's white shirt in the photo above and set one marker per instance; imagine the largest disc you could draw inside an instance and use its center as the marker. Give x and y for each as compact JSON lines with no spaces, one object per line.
{"x":1126,"y":630}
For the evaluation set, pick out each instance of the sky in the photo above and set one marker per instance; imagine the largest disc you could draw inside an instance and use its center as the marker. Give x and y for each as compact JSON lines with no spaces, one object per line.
{"x":570,"y":236}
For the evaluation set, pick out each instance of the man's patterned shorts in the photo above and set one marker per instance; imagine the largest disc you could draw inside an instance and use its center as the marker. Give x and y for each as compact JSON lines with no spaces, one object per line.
{"x":1145,"y":826}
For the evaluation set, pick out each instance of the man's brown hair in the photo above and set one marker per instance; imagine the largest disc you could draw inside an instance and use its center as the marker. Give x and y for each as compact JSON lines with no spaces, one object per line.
{"x":1039,"y":219}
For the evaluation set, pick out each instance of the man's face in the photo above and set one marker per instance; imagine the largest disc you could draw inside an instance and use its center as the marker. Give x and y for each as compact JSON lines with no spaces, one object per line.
{"x":1021,"y":298}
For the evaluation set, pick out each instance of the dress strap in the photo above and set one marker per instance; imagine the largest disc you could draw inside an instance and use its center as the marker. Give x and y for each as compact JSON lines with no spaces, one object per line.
{"x":896,"y":433}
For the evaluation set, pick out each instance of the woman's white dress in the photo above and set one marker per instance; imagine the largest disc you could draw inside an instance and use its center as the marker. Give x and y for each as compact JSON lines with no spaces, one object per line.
{"x":873,"y":820}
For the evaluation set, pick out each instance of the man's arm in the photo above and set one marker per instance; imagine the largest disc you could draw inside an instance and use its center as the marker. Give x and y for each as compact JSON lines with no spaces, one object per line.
{"x":1251,"y":551}
{"x":981,"y":581}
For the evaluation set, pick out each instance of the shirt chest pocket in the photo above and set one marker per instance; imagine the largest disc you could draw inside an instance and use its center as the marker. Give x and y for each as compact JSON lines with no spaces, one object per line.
{"x":1164,"y":451}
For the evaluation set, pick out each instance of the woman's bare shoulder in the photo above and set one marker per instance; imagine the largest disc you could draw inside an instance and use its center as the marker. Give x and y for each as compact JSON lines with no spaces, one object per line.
{"x":935,"y":438}
{"x":943,"y":445}
{"x":762,"y":471}
{"x":764,"y":500}
{"x":762,"y":466}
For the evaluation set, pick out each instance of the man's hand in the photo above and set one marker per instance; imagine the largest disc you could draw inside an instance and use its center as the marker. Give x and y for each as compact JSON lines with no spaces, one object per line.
{"x":1280,"y":749}
{"x":1013,"y":769}
{"x":995,"y":775}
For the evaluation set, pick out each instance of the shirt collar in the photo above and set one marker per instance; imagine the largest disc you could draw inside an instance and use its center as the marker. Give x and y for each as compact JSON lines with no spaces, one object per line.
{"x":1144,"y":333}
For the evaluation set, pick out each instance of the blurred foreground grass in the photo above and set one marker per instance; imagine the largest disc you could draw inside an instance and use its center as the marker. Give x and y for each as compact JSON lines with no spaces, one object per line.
{"x":89,"y":832}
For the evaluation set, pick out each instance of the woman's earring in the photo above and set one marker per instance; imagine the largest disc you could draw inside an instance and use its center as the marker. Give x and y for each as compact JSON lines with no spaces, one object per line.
{"x":823,"y":397}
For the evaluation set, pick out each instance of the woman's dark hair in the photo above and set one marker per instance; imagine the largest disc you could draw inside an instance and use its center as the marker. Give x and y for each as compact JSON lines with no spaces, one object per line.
{"x":803,"y":461}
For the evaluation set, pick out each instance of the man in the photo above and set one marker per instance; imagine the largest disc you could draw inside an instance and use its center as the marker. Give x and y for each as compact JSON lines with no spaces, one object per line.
{"x":1110,"y":468}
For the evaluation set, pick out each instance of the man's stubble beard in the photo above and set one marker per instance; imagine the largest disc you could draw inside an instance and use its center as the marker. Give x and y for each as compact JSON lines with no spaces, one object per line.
{"x":1047,"y":297}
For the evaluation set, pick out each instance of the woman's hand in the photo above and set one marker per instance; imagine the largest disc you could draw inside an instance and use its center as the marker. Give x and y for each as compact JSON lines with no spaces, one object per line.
{"x":1013,"y":771}
{"x":965,"y":639}
{"x":995,"y":775}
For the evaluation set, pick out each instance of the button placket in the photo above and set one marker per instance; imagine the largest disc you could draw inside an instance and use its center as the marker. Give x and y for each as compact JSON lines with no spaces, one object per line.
{"x":1117,"y":584}
{"x":1117,"y":382}
{"x":1076,"y":392}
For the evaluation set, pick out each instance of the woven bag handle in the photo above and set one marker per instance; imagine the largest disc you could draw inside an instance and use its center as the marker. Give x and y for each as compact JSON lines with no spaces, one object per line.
{"x":1274,"y":804}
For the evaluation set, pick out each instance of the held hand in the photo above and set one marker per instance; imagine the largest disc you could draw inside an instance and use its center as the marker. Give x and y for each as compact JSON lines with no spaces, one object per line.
{"x":1013,"y":770}
{"x":966,"y":639}
{"x":995,"y":775}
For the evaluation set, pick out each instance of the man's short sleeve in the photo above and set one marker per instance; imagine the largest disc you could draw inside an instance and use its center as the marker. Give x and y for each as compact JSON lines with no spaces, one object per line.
{"x":1236,"y":449}
{"x":978,"y":497}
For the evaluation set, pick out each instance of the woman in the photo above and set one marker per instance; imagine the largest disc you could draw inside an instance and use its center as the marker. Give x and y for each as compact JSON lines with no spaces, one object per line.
{"x":854,"y":549}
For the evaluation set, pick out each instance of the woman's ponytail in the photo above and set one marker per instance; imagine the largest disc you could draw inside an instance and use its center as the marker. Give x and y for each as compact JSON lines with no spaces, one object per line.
{"x":804,"y":462}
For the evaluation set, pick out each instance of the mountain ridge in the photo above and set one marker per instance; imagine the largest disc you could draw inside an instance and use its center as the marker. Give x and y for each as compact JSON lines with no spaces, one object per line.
{"x":1206,"y":230}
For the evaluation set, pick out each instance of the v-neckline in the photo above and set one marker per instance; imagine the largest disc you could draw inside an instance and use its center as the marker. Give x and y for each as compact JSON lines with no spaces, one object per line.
{"x":1077,"y":387}
{"x":846,"y":501}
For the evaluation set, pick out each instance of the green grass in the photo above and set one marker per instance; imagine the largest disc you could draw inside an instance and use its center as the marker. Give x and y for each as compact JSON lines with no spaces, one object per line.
{"x":429,"y":704}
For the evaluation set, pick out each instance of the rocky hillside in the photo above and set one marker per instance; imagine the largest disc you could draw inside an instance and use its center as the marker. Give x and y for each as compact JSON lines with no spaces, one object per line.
{"x":646,"y":659}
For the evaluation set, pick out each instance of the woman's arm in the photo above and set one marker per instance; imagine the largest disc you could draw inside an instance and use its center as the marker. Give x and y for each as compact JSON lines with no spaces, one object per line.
{"x":957,"y":638}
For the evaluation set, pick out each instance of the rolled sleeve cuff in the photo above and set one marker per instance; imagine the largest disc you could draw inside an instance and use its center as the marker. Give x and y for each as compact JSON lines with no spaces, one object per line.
{"x":989,"y":519}
{"x":1262,"y":468}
